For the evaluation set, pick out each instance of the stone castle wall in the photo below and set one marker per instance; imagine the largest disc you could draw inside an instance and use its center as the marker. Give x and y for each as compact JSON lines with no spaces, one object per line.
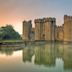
{"x":27,"y":26}
{"x":67,"y":28}
{"x":45,"y":29}
{"x":39,"y":29}
{"x":59,"y":33}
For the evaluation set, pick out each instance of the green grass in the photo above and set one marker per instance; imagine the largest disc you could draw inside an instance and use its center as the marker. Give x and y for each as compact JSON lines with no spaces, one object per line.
{"x":1,"y":41}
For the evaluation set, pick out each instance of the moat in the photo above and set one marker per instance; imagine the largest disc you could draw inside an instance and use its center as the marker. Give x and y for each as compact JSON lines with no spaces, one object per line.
{"x":42,"y":57}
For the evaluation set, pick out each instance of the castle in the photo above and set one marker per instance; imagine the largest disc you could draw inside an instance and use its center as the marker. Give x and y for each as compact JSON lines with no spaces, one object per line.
{"x":67,"y":28}
{"x":47,"y":30}
{"x":27,"y":26}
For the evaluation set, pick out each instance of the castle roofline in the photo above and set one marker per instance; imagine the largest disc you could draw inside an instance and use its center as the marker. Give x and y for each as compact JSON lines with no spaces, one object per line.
{"x":27,"y":21}
{"x":48,"y":19}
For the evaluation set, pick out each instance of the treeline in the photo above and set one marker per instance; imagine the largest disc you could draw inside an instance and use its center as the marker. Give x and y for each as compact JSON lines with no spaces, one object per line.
{"x":8,"y":33}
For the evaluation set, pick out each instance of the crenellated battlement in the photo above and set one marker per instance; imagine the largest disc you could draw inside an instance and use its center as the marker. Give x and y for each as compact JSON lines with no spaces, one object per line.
{"x":67,"y":28}
{"x":27,"y":22}
{"x":27,"y":27}
{"x":67,"y":18}
{"x":45,"y":20}
{"x":46,"y":29}
{"x":38,"y":20}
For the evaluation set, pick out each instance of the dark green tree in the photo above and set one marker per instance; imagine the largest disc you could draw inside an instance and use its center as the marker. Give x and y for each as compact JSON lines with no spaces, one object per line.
{"x":8,"y":32}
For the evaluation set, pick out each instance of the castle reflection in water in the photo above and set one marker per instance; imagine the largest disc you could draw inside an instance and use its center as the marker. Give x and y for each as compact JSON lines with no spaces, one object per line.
{"x":45,"y":54}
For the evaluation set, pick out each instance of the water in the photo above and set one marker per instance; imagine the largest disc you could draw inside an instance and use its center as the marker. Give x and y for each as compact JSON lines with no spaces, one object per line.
{"x":47,"y":57}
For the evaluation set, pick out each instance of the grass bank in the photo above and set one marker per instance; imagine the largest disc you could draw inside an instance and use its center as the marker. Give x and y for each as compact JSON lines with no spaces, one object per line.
{"x":10,"y":41}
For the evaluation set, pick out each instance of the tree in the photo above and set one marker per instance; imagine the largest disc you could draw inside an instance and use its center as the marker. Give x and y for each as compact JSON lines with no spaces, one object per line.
{"x":7,"y":33}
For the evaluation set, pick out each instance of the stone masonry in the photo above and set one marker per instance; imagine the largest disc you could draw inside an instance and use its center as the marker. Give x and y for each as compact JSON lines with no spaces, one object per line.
{"x":67,"y":28}
{"x":59,"y":33}
{"x":27,"y":26}
{"x":45,"y":29}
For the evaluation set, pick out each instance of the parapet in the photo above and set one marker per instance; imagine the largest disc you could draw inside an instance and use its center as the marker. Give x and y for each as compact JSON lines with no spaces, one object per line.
{"x":38,"y":20}
{"x":54,"y":19}
{"x":27,"y":22}
{"x":24,"y":22}
{"x":45,"y":20}
{"x":67,"y":18}
{"x":49,"y":19}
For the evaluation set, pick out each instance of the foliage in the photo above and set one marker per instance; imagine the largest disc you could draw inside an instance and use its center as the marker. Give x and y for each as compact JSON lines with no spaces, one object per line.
{"x":8,"y":33}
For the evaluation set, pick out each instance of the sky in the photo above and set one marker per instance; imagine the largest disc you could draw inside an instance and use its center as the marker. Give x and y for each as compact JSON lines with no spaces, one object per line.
{"x":14,"y":12}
